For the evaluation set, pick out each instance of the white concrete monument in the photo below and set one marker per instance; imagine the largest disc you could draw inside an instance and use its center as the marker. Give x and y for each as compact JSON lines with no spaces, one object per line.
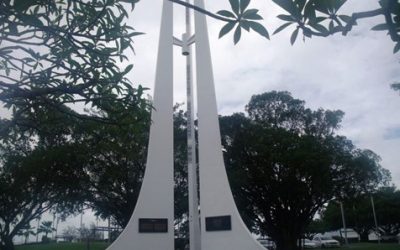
{"x":152,"y":224}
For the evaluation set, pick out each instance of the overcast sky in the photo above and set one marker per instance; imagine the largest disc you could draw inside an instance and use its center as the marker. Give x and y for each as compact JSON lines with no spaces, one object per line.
{"x":351,"y":73}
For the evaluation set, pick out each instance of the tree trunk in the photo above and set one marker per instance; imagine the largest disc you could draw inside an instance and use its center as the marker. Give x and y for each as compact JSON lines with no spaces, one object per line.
{"x":286,"y":245}
{"x":364,"y":236}
{"x":286,"y":242}
{"x":6,"y":244}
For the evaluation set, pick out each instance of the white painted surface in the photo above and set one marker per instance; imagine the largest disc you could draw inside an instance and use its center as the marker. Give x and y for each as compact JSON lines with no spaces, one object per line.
{"x":215,"y":194}
{"x":194,"y":216}
{"x":157,"y":192}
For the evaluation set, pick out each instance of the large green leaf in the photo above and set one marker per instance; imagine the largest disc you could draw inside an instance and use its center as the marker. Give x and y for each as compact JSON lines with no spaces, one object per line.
{"x":259,"y":28}
{"x":328,"y":6}
{"x":22,"y":5}
{"x":396,"y":48}
{"x":337,"y":4}
{"x":384,"y":3}
{"x":320,"y":19}
{"x":286,"y":18}
{"x":282,"y":27}
{"x":244,"y":4}
{"x":245,"y":25}
{"x":382,"y":26}
{"x":309,"y":12}
{"x":331,"y":26}
{"x":345,"y":18}
{"x":320,"y":28}
{"x":301,"y":3}
{"x":321,"y":6}
{"x":31,"y":20}
{"x":252,"y":14}
{"x":235,"y":6}
{"x":289,"y":6}
{"x":132,"y":2}
{"x":227,"y":27}
{"x":249,"y":12}
{"x":135,"y":34}
{"x":334,"y":5}
{"x":237,"y":35}
{"x":294,"y":36}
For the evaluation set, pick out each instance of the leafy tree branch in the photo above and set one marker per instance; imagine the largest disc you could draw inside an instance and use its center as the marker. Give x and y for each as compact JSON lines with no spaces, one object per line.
{"x":65,"y":50}
{"x":319,"y":18}
{"x":196,"y":8}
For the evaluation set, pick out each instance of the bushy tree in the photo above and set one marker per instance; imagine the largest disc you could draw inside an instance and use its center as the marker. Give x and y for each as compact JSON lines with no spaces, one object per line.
{"x":56,"y":53}
{"x":387,"y":204}
{"x":106,"y":162}
{"x":181,"y":205}
{"x":316,"y":226}
{"x":115,"y":163}
{"x":285,"y":162}
{"x":34,"y":180}
{"x":46,"y":227}
{"x":26,"y":232}
{"x":70,"y":233}
{"x":359,"y":213}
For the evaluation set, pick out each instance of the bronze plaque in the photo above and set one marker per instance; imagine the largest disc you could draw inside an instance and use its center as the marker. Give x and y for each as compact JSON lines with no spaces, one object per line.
{"x":147,"y":225}
{"x":218,"y":223}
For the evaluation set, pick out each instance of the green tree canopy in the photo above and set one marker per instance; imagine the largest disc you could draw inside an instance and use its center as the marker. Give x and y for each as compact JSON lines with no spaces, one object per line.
{"x":26,"y":232}
{"x":46,"y":227}
{"x":359,"y":213}
{"x":285,"y":162}
{"x":54,"y":55}
{"x":58,"y":53}
{"x":34,"y":180}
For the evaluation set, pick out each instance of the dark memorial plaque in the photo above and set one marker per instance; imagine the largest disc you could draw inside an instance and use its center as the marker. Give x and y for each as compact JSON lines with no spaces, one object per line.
{"x":153,"y":225}
{"x":218,"y":223}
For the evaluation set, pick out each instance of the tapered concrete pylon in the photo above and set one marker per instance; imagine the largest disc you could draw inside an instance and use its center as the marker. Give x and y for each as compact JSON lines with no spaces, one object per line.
{"x":151,"y":226}
{"x":221,"y":224}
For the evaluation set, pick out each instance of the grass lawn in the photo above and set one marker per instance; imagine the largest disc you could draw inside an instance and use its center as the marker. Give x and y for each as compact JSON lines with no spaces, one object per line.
{"x":63,"y":246}
{"x":375,"y":246}
{"x":102,"y":246}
